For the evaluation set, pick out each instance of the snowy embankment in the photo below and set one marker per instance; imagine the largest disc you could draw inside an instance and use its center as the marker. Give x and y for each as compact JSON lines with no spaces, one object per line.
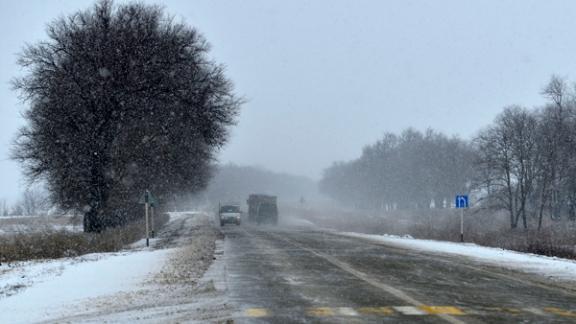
{"x":98,"y":285}
{"x":550,"y":267}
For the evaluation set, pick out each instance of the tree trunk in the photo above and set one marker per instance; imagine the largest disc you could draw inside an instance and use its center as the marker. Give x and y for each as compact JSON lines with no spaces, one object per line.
{"x":93,"y":223}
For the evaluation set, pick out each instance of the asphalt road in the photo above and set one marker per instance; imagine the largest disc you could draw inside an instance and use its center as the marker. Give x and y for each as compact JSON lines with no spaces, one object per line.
{"x":279,"y":275}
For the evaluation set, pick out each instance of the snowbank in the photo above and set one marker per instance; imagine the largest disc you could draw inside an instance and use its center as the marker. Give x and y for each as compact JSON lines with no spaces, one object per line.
{"x":551,"y":267}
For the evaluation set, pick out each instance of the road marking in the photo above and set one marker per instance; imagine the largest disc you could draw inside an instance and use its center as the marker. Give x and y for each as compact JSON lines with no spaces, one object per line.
{"x":534,"y":311}
{"x":448,"y":310}
{"x":376,"y":310}
{"x":321,"y":311}
{"x":409,"y":310}
{"x":425,"y":310}
{"x":363,"y":276}
{"x":488,"y":269}
{"x":257,"y":312}
{"x":346,"y":311}
{"x":561,"y":312}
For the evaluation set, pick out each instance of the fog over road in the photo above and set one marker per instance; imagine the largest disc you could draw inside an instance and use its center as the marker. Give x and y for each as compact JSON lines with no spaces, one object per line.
{"x":281,"y":275}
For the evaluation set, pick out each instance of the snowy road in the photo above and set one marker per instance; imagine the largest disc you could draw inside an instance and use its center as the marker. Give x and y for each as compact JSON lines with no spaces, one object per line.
{"x":288,"y":275}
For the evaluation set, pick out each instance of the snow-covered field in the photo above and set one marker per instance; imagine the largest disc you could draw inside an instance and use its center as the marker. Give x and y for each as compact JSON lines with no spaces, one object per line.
{"x":550,"y":267}
{"x":114,"y":286}
{"x":34,"y":224}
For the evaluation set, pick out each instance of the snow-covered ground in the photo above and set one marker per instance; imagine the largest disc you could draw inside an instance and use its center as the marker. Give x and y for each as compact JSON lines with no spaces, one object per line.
{"x":35,"y":224}
{"x":112,"y":286}
{"x":550,"y":267}
{"x":60,"y":288}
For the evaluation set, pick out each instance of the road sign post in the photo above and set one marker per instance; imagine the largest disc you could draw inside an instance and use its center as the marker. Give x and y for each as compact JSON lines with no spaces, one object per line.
{"x":152,"y":221}
{"x":461,"y":203}
{"x":146,"y":203}
{"x":461,"y":224}
{"x":149,"y":204}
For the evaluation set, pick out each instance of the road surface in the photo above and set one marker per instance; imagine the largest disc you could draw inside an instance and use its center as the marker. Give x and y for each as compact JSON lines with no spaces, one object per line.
{"x":277,"y":275}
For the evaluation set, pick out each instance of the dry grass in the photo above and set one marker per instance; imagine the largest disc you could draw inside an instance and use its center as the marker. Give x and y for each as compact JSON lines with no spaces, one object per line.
{"x":51,"y":244}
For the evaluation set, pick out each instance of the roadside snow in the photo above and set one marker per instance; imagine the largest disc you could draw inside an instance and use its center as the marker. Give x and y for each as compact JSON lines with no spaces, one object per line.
{"x":551,"y":267}
{"x":51,"y":287}
{"x":118,"y":287}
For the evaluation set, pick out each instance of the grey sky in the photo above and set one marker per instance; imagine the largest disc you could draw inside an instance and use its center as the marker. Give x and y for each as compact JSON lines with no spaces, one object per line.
{"x":325,"y":78}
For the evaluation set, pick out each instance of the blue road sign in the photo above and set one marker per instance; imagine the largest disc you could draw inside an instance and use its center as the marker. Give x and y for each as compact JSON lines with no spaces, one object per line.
{"x":462,"y":201}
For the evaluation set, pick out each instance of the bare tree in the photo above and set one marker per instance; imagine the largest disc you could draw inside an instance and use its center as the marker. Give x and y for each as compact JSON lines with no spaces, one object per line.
{"x":34,"y":202}
{"x":508,"y":155}
{"x":4,"y":209}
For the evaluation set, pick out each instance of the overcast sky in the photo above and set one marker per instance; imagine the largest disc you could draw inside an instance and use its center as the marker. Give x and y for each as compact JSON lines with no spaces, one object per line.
{"x":324,"y":78}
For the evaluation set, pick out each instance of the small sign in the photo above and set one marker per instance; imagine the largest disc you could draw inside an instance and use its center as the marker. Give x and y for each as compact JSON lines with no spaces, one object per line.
{"x":147,"y":197}
{"x":462,"y":201}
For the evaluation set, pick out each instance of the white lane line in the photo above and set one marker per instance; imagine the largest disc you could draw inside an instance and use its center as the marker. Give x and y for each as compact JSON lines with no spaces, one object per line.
{"x":346,"y":311}
{"x":535,"y":311}
{"x":363,"y":276}
{"x":409,"y":310}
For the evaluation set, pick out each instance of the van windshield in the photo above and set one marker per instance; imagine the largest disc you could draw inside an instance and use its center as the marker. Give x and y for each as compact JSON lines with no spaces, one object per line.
{"x":229,"y":209}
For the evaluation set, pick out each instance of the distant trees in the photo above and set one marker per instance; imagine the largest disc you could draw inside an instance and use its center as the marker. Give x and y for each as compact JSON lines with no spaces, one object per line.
{"x":122,"y":99}
{"x":523,"y":163}
{"x":4,"y":209}
{"x":33,"y":202}
{"x":412,"y":170}
{"x":233,"y":183}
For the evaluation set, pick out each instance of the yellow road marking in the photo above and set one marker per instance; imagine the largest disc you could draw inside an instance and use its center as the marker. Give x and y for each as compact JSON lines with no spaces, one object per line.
{"x":257,"y":312}
{"x":448,"y":310}
{"x":561,"y":312}
{"x":376,"y":310}
{"x":411,"y":310}
{"x":321,"y":311}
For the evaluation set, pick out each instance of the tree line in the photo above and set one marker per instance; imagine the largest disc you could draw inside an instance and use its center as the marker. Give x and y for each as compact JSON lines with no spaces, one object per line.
{"x":121,"y":99}
{"x":234,"y":183}
{"x":524,"y":163}
{"x":406,"y":171}
{"x":32,"y":202}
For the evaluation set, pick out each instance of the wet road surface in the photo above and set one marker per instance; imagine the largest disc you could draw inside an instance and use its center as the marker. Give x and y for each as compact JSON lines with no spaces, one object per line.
{"x":291,"y":276}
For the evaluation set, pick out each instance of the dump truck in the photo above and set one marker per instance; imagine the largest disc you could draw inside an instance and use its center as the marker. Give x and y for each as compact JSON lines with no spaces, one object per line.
{"x":262,"y":209}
